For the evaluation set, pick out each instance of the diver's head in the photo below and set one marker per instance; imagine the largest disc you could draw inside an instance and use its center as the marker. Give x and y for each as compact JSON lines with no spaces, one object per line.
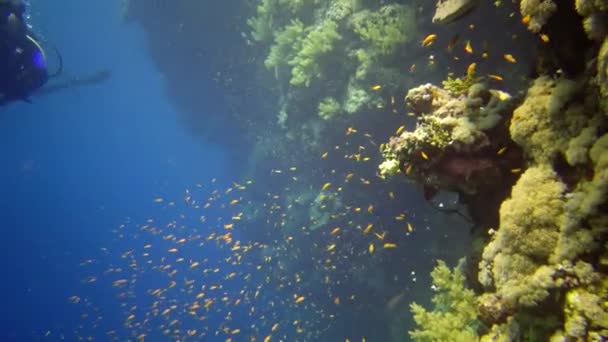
{"x":33,"y":72}
{"x":24,"y":68}
{"x":27,"y":71}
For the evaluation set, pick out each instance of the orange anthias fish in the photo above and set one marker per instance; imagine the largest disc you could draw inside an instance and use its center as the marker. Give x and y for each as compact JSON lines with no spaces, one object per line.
{"x":428,"y":40}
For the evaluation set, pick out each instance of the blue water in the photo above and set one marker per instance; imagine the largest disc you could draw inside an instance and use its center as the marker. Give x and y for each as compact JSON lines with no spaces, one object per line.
{"x":76,"y":163}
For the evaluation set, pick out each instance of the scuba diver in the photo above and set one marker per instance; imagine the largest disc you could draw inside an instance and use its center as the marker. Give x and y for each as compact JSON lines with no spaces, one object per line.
{"x":23,"y":61}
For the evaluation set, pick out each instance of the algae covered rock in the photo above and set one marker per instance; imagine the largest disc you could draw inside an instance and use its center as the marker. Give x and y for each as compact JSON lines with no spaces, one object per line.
{"x":451,"y":147}
{"x":538,"y":12}
{"x":447,"y":11}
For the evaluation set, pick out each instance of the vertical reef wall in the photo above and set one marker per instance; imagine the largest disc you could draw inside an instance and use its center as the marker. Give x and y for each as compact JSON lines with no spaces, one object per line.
{"x":532,"y":170}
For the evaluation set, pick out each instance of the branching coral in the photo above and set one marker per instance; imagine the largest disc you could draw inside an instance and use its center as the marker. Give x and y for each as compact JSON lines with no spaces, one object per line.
{"x":301,"y":48}
{"x":306,"y":64}
{"x":262,"y":24}
{"x":454,"y":316}
{"x":287,"y":43}
{"x":386,"y":29}
{"x":329,"y":108}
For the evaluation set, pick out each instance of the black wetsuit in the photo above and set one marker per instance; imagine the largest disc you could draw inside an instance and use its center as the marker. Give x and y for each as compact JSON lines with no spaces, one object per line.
{"x":22,"y":64}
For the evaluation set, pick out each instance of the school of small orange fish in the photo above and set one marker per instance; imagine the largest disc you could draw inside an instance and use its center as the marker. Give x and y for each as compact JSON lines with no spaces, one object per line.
{"x":227,"y":255}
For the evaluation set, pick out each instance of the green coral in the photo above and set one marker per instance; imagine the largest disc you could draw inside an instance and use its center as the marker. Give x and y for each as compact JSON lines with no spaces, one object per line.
{"x":329,"y":108}
{"x":306,"y":64}
{"x":386,"y":29}
{"x":301,"y":48}
{"x":262,"y":24}
{"x":286,"y":44}
{"x":459,"y":85}
{"x":389,"y":167}
{"x":454,"y":317}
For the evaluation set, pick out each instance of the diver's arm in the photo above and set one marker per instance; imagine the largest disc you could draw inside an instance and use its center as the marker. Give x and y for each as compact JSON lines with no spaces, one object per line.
{"x":92,"y":79}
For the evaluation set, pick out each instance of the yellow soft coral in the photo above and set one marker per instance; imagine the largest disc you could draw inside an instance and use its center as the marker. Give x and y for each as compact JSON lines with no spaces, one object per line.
{"x":529,"y":226}
{"x":545,"y":122}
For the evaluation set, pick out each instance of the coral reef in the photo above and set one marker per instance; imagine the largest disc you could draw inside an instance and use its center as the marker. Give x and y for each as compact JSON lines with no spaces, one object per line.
{"x":548,"y":254}
{"x":552,"y":222}
{"x":555,"y":217}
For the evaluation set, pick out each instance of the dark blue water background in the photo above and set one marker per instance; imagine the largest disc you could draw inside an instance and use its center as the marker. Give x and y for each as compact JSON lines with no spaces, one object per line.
{"x":75,"y":164}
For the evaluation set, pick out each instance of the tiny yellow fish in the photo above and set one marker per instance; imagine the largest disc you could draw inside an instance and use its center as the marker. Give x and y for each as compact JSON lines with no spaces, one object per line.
{"x":471,"y":70}
{"x":326,"y":186}
{"x":502,"y":150}
{"x":408,"y":170}
{"x":526,"y":20}
{"x":368,"y":228}
{"x":468,"y":48}
{"x":389,"y":245}
{"x":518,"y":170}
{"x":370,"y":209}
{"x":324,"y":155}
{"x":234,"y":201}
{"x":370,"y":249}
{"x":335,"y":231}
{"x":376,"y":87}
{"x":300,"y":299}
{"x":495,"y":77}
{"x":509,"y":58}
{"x":428,"y":40}
{"x":410,"y":227}
{"x":400,"y":130}
{"x":544,"y":38}
{"x":424,"y":156}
